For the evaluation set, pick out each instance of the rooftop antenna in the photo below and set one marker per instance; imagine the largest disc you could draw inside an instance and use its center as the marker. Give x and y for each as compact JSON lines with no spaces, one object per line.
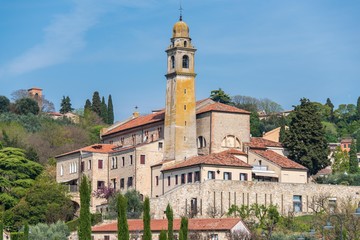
{"x":181,"y":9}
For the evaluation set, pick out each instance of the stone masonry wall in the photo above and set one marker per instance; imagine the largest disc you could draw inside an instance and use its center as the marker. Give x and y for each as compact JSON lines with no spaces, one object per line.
{"x":214,"y":197}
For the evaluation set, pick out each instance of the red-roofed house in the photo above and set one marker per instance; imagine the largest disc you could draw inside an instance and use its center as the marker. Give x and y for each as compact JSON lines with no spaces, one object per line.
{"x":210,"y":228}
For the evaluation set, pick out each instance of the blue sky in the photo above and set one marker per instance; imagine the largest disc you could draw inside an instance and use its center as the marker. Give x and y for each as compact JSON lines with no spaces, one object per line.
{"x":278,"y":49}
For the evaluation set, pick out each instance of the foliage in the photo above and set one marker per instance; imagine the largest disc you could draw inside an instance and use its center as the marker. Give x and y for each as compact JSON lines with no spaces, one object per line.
{"x":104,"y":113}
{"x":331,"y":107}
{"x":341,"y":161}
{"x":110,"y":111}
{"x":84,"y":231}
{"x":16,"y":235}
{"x":331,"y":133}
{"x":255,"y":129}
{"x":1,"y":230}
{"x":305,"y":139}
{"x":252,"y":104}
{"x":134,"y":205}
{"x":122,"y":224}
{"x":340,"y":179}
{"x":170,"y":218}
{"x":26,"y":232}
{"x":353,"y":161}
{"x":358,"y":109}
{"x":26,"y":106}
{"x":96,"y":103}
{"x":54,"y":231}
{"x":87,"y":105}
{"x":73,"y":224}
{"x":184,"y":229}
{"x":65,"y":105}
{"x":282,"y":133}
{"x":163,"y":235}
{"x":4,"y":104}
{"x":220,"y":96}
{"x":104,"y":192}
{"x":17,"y":174}
{"x":146,"y":220}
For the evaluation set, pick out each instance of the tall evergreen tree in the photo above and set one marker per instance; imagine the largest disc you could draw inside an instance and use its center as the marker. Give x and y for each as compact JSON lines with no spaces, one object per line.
{"x":146,"y":220}
{"x":4,"y":104}
{"x":96,"y":103}
{"x":122,"y":224}
{"x":162,"y":235}
{"x":220,"y":96}
{"x":85,"y":217}
{"x":104,"y":114}
{"x":87,"y":105}
{"x":305,"y":139}
{"x":358,"y":141}
{"x":331,"y":106}
{"x":353,"y":161}
{"x":1,"y":230}
{"x":282,"y":133}
{"x":255,"y":125}
{"x":65,"y":105}
{"x":26,"y":232}
{"x":183,"y":229}
{"x":358,"y":109}
{"x":110,"y":111}
{"x":170,"y":218}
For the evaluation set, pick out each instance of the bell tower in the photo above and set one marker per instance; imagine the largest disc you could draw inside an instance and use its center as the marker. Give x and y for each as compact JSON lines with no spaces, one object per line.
{"x":180,"y":115}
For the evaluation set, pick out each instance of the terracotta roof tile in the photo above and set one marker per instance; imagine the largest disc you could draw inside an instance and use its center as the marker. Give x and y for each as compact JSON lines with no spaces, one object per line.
{"x":162,"y":224}
{"x":220,"y":107}
{"x":95,"y":148}
{"x":278,"y":159}
{"x":224,"y":158}
{"x":259,"y":142}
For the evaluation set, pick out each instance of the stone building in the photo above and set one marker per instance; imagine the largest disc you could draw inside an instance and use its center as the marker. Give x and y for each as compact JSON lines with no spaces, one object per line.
{"x":187,"y":142}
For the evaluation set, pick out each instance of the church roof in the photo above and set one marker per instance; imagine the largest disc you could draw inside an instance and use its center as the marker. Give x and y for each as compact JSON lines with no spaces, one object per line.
{"x":95,"y":148}
{"x":278,"y":159}
{"x":225,"y":158}
{"x":202,"y":106}
{"x":259,"y":142}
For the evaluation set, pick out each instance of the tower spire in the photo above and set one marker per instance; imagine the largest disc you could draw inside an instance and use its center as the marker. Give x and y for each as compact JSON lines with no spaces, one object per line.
{"x":181,"y":9}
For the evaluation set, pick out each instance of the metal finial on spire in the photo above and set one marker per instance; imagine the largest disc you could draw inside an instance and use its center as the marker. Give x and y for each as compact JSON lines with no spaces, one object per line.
{"x":181,"y":9}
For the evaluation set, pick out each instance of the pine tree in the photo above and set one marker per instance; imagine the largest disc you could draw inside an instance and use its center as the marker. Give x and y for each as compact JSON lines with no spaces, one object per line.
{"x":85,"y":217}
{"x":110,"y":111}
{"x":66,"y":105}
{"x":104,"y":114}
{"x":122,"y":224}
{"x":183,"y":229}
{"x":331,"y":105}
{"x":87,"y":105}
{"x":282,"y":133}
{"x":96,"y":103}
{"x":353,"y":161}
{"x":305,"y":139}
{"x":146,"y":220}
{"x":220,"y":96}
{"x":170,"y":218}
{"x":358,"y":109}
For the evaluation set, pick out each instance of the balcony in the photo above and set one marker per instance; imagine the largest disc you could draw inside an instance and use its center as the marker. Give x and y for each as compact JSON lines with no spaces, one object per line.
{"x":260,"y":168}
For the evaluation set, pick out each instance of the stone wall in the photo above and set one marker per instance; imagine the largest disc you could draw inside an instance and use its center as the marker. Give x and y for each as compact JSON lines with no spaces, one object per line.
{"x":214,"y":197}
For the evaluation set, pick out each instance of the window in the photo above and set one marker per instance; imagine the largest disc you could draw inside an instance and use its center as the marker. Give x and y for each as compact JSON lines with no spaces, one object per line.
{"x":157,"y":180}
{"x":176,"y":180}
{"x":160,"y":145}
{"x":122,"y":183}
{"x":61,"y":170}
{"x":82,"y":166}
{"x":100,"y":164}
{"x":185,"y":43}
{"x":142,"y":159}
{"x":332,"y":205}
{"x":197,"y":176}
{"x":297,"y":203}
{"x":172,"y":61}
{"x":113,"y":181}
{"x":131,"y":159}
{"x":184,"y":90}
{"x":201,"y":142}
{"x":183,"y":178}
{"x":168,"y":180}
{"x":159,"y":131}
{"x":184,"y":107}
{"x":214,"y":237}
{"x":100,"y":184}
{"x":130,"y":182}
{"x":89,"y":164}
{"x":122,"y":140}
{"x":123,"y":161}
{"x":189,"y":177}
{"x":227,"y":175}
{"x":113,"y":162}
{"x":185,"y":61}
{"x":106,"y":237}
{"x":211,"y":174}
{"x":243,"y":177}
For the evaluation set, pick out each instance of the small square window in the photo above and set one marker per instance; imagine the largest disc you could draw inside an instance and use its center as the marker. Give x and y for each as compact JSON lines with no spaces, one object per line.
{"x":190,"y":177}
{"x":100,"y":164}
{"x":142,"y":159}
{"x":297,"y":203}
{"x":183,"y":178}
{"x":227,"y":175}
{"x":211,"y":174}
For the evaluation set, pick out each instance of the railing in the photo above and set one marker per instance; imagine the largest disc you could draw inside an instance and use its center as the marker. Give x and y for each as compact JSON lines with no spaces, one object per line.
{"x":260,"y":167}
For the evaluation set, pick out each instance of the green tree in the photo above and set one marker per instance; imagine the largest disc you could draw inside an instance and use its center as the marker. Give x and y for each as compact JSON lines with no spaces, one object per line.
{"x":25,"y":106}
{"x":84,"y":231}
{"x":87,"y":105}
{"x":331,"y":106}
{"x":58,"y":231}
{"x":104,"y":114}
{"x":183,"y":229}
{"x":1,"y":230}
{"x":26,"y":232}
{"x":66,"y":105}
{"x":220,"y":96}
{"x":162,"y":235}
{"x":305,"y":139}
{"x":255,"y":125}
{"x":358,"y":141}
{"x":146,"y":220}
{"x":134,"y":204}
{"x":96,"y":103}
{"x":353,"y":161}
{"x":170,"y":218}
{"x":358,"y":109}
{"x":122,"y":224}
{"x":341,"y":161}
{"x":4,"y":104}
{"x":110,"y":111}
{"x":282,"y":133}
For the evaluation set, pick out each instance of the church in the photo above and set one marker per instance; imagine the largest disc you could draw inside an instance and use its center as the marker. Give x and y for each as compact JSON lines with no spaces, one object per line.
{"x":188,"y":142}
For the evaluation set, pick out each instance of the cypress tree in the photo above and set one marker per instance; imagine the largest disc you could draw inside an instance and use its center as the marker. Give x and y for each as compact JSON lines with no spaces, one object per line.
{"x":96,"y":103}
{"x":87,"y":105}
{"x":162,"y":235}
{"x":104,"y":114}
{"x":353,"y":162}
{"x":85,"y":217}
{"x":122,"y":224}
{"x":358,"y":142}
{"x":110,"y":111}
{"x":66,"y":105}
{"x":331,"y":105}
{"x":1,"y":230}
{"x":282,"y":133}
{"x":183,"y":229}
{"x":170,"y":218}
{"x":26,"y":232}
{"x":305,"y":139}
{"x":358,"y":109}
{"x":146,"y":220}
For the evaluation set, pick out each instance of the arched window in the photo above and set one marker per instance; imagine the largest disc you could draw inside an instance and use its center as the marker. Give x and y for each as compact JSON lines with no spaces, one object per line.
{"x":201,"y":142}
{"x":172,"y":61}
{"x":230,"y":141}
{"x":185,"y":62}
{"x":185,"y":43}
